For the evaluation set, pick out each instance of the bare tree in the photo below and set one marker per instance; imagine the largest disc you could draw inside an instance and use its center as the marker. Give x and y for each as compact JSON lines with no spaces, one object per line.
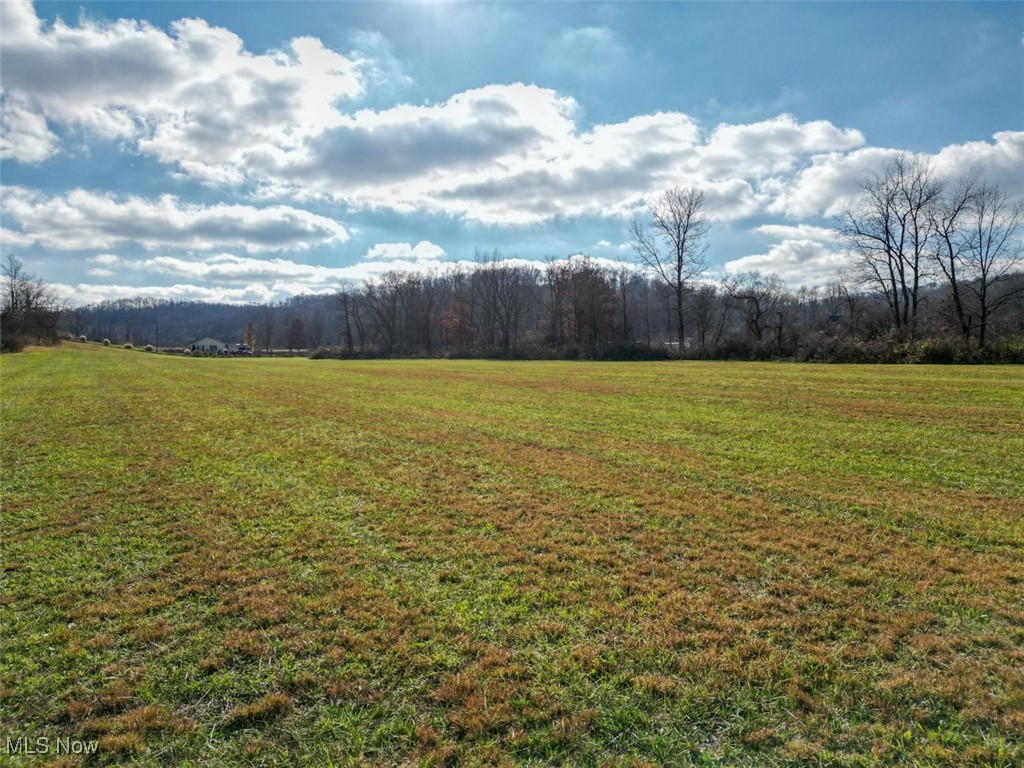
{"x":296,"y":336}
{"x":991,"y":252}
{"x":265,"y":328}
{"x":75,"y":320}
{"x":672,"y":244}
{"x":556,"y":278}
{"x":948,"y":221}
{"x":457,"y":321}
{"x":316,"y":327}
{"x":513,"y":295}
{"x":347,"y":298}
{"x":29,"y":311}
{"x":382,"y":299}
{"x":763,"y":300}
{"x":711,"y":312}
{"x":890,"y":231}
{"x":623,"y":277}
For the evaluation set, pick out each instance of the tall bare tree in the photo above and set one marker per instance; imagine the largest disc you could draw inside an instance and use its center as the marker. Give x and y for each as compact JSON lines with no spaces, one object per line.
{"x":672,"y":244}
{"x":316,"y":327}
{"x":890,"y":232}
{"x":265,"y":322}
{"x":295,"y":336}
{"x":948,"y":220}
{"x":382,"y":299}
{"x":992,"y":251}
{"x":348,"y":297}
{"x":711,"y":314}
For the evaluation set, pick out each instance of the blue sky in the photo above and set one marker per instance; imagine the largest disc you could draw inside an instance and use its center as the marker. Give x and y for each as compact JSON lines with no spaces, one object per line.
{"x":246,"y":151}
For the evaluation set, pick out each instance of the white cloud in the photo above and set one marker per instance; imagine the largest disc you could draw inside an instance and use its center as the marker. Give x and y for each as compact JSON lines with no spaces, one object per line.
{"x":378,"y":64}
{"x":590,"y":52}
{"x":607,"y":245}
{"x":828,"y":184}
{"x":24,"y":136}
{"x":770,"y":147}
{"x":82,"y":219}
{"x":193,"y":98}
{"x":228,"y":268}
{"x":197,"y":100}
{"x":803,"y":256}
{"x":406,"y":157}
{"x":798,"y":232}
{"x":422,"y":251}
{"x":11,"y":239}
{"x":89,"y":293}
{"x":227,"y":277}
{"x":512,"y":154}
{"x":833,"y":179}
{"x":1001,"y":161}
{"x":798,"y":262}
{"x":282,"y":277}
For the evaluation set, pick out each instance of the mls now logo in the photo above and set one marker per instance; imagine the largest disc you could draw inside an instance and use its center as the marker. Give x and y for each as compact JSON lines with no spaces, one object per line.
{"x":43,"y":745}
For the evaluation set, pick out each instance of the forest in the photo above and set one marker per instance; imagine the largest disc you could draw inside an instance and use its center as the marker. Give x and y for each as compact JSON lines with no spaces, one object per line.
{"x":573,"y":309}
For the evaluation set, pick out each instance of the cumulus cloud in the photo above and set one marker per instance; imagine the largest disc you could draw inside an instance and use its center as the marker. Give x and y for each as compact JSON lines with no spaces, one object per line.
{"x":24,"y":135}
{"x":82,"y":219}
{"x":1000,"y":161}
{"x":833,"y":179}
{"x":378,"y":65}
{"x":91,"y":293}
{"x":11,"y":239}
{"x":797,"y":232}
{"x":281,"y":125}
{"x":804,"y":255}
{"x":402,"y":157}
{"x":282,"y":277}
{"x":513,"y":154}
{"x":193,"y":97}
{"x":798,"y":262}
{"x":424,"y":250}
{"x":770,"y":147}
{"x":828,"y":184}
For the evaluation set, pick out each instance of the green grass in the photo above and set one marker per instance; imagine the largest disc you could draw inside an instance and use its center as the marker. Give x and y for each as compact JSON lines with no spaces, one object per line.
{"x":283,"y":561}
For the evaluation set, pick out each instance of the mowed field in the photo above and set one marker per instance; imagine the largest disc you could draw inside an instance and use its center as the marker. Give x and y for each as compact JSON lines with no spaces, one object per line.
{"x":260,"y":562}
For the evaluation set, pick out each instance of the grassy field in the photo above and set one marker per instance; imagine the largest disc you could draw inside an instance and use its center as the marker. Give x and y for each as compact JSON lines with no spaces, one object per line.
{"x":259,"y":562}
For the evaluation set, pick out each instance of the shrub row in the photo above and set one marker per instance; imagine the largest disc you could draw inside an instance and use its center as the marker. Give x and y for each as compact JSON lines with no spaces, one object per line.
{"x":819,"y":348}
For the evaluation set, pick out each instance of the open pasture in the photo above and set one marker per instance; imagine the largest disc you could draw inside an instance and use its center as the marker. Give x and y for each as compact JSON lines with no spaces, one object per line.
{"x":258,"y":562}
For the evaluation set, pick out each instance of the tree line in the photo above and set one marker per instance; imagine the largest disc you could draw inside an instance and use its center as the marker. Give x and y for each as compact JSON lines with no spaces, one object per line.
{"x":29,"y":310}
{"x":933,"y":273}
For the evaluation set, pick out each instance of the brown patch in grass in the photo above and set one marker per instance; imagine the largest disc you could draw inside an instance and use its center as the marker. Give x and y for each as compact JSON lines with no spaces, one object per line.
{"x":154,"y":631}
{"x":115,"y":696}
{"x":122,"y":745}
{"x":266,"y":709}
{"x":245,"y":643}
{"x":152,"y":718}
